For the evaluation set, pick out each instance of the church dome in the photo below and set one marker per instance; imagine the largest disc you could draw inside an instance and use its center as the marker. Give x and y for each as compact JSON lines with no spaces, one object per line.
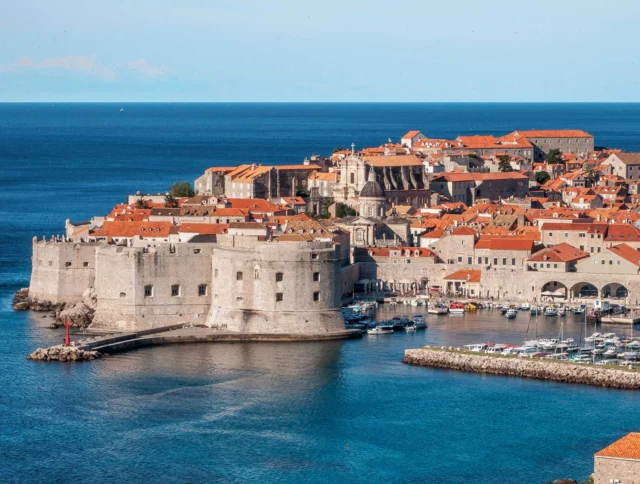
{"x":372,"y":188}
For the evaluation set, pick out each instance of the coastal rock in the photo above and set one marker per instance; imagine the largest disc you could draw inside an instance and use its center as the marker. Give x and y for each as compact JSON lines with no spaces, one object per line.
{"x":90,"y":298}
{"x":63,"y":353}
{"x":524,"y":367}
{"x":79,"y":315}
{"x":20,"y":299}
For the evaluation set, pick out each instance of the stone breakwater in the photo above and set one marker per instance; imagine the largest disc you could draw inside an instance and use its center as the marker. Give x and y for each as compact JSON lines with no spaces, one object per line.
{"x":63,"y":353}
{"x":455,"y":359}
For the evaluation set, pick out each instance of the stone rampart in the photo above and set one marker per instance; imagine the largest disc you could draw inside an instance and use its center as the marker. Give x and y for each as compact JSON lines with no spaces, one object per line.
{"x":275,"y":287}
{"x":61,"y":271}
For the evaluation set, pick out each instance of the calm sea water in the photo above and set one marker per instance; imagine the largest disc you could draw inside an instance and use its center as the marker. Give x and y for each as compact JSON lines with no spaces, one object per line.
{"x":330,"y":412}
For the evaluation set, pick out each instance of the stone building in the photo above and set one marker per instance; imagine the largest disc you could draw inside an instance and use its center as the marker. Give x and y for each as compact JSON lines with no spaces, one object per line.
{"x":619,"y":462}
{"x":624,"y":165}
{"x":565,"y":140}
{"x":469,"y":187}
{"x":212,"y":181}
{"x":371,"y":202}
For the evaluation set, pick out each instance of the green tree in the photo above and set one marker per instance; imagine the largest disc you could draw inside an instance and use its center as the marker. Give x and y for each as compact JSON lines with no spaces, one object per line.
{"x":590,"y":174}
{"x":504,"y":164}
{"x":554,"y":157}
{"x":141,"y":203}
{"x":338,"y":148}
{"x":181,"y":189}
{"x":542,"y":177}
{"x":170,"y":201}
{"x":324,"y":208}
{"x":303,"y":192}
{"x":474,"y":156}
{"x":343,"y":210}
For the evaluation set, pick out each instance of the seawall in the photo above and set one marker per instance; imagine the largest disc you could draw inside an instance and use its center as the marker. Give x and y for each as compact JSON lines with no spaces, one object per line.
{"x":541,"y":369}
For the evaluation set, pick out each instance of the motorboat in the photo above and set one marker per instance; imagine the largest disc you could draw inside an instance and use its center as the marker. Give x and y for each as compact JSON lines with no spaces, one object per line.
{"x":456,"y":308}
{"x":610,"y":353}
{"x":511,"y":313}
{"x":562,"y":312}
{"x":548,"y":344}
{"x":558,"y":356}
{"x":438,"y":310}
{"x":419,"y":322}
{"x":581,"y":359}
{"x":410,"y":328}
{"x":593,"y":338}
{"x":572,"y":348}
{"x":470,"y":307}
{"x":535,"y":311}
{"x":381,"y":329}
{"x":525,"y":306}
{"x":630,"y":355}
{"x":550,"y":311}
{"x":578,"y":311}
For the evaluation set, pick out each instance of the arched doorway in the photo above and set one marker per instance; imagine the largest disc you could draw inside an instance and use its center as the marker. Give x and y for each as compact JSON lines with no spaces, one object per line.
{"x":584,"y":289}
{"x":553,"y":290}
{"x":615,"y":290}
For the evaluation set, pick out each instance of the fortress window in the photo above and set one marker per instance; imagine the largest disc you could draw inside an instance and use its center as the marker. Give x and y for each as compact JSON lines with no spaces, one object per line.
{"x":504,"y":261}
{"x":460,"y":259}
{"x":67,"y":264}
{"x":202,"y":290}
{"x":278,"y":296}
{"x":314,"y":256}
{"x":215,"y":273}
{"x":513,"y":262}
{"x":279,"y":276}
{"x":148,"y":291}
{"x":316,"y":296}
{"x":50,"y":262}
{"x":123,"y":294}
{"x":238,"y":276}
{"x":316,"y":276}
{"x":175,"y":290}
{"x":85,"y":264}
{"x":196,"y":251}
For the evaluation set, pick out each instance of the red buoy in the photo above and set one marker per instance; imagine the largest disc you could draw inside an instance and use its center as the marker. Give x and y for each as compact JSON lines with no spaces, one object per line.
{"x":67,"y":339}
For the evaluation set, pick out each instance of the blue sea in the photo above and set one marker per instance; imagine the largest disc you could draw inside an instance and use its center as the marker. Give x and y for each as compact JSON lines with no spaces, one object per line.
{"x":330,"y":412}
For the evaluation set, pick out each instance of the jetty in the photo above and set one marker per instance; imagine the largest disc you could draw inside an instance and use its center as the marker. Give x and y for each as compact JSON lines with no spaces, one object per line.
{"x":451,"y":358}
{"x":94,"y":347}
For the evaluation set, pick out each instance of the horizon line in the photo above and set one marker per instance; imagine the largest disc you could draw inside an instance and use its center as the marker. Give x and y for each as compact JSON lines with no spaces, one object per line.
{"x":319,"y":102}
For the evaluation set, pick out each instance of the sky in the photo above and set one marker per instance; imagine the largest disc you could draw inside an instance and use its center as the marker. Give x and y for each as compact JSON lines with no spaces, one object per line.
{"x":328,"y":51}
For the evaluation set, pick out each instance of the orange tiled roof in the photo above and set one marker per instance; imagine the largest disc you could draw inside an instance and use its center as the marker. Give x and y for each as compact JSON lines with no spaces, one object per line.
{"x":411,"y":134}
{"x":205,"y":229}
{"x":253,"y":204}
{"x":559,"y":253}
{"x":469,"y":275}
{"x":504,"y":243}
{"x":133,"y":229}
{"x":463,"y":231}
{"x":628,"y":447}
{"x":622,"y":232}
{"x":626,"y":252}
{"x":222,"y":169}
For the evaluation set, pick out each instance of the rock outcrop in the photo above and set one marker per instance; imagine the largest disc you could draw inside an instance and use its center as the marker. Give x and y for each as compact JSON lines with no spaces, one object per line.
{"x":542,"y":369}
{"x":63,"y":353}
{"x":80,"y":314}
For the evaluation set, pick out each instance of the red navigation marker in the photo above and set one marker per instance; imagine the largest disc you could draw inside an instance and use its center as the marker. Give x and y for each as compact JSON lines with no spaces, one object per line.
{"x":67,"y":339}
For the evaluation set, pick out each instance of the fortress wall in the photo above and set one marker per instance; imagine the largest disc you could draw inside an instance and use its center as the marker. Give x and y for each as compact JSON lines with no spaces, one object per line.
{"x":246,"y":286}
{"x":124,"y":272}
{"x":61,"y":271}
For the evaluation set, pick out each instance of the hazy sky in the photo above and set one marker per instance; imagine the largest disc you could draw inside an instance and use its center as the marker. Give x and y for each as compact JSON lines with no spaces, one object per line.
{"x":182,"y":50}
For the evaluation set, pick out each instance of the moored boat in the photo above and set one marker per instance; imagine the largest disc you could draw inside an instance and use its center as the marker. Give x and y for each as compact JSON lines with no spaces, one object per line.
{"x":456,"y":308}
{"x":381,"y":329}
{"x":511,"y":313}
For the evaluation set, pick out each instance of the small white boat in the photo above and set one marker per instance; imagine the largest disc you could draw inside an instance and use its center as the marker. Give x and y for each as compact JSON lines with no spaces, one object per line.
{"x":382,"y":329}
{"x":511,"y":313}
{"x":594,"y":337}
{"x":410,"y":328}
{"x":437,"y":310}
{"x":476,"y":347}
{"x":525,"y":306}
{"x":550,"y":311}
{"x":610,"y":353}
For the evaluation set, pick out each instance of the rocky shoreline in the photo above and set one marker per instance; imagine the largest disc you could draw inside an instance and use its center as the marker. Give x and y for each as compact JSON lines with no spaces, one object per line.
{"x":63,"y":353}
{"x":456,"y":359}
{"x":79,"y":314}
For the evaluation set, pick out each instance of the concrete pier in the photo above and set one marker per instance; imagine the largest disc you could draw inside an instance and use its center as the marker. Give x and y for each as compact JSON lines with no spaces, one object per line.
{"x":542,"y":369}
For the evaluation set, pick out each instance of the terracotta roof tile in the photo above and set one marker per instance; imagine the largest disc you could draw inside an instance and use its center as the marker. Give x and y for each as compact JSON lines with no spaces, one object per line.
{"x":469,"y":275}
{"x":628,"y":447}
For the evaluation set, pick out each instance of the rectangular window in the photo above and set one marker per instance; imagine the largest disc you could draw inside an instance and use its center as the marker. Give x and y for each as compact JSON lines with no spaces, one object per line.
{"x":316,"y":296}
{"x":566,"y":234}
{"x":486,"y":260}
{"x":548,"y":266}
{"x":598,"y":250}
{"x":479,"y":260}
{"x":279,"y":276}
{"x":85,"y":264}
{"x":610,"y":262}
{"x":314,"y":256}
{"x":215,"y":273}
{"x":513,"y":262}
{"x":550,"y":234}
{"x":504,"y":261}
{"x":469,"y":260}
{"x":148,"y":291}
{"x":316,"y":276}
{"x":175,"y":290}
{"x":202,"y":290}
{"x":67,"y":264}
{"x":495,"y":261}
{"x":582,"y":247}
{"x":555,"y":266}
{"x":534,"y":264}
{"x":278,"y":296}
{"x":238,"y":276}
{"x":460,"y":259}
